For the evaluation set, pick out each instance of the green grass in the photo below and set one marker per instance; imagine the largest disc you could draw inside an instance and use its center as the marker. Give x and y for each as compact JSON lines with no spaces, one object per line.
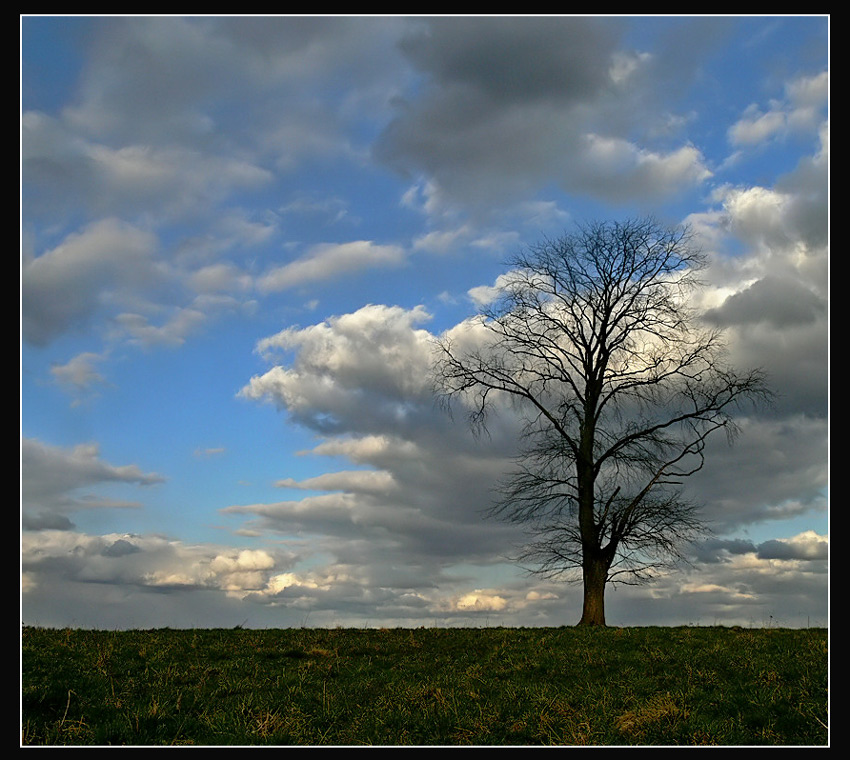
{"x":437,"y":686}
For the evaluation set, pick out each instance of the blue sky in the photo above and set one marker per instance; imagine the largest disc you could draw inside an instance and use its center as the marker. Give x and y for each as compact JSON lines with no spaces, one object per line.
{"x":240,"y":235}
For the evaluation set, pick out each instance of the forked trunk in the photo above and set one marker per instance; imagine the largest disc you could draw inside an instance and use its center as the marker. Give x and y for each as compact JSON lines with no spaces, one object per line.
{"x":593,"y":611}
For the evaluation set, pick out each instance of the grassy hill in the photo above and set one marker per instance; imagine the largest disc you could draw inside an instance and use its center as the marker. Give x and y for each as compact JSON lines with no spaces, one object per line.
{"x":426,"y":686}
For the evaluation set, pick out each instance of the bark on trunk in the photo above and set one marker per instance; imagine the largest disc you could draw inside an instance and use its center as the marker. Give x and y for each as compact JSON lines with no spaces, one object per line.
{"x":593,"y":611}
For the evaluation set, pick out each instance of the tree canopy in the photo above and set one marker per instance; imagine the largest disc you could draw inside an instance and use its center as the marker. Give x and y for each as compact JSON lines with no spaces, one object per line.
{"x":594,"y":337}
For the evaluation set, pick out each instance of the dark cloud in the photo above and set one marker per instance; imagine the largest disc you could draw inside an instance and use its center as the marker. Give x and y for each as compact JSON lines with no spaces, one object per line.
{"x":52,"y":479}
{"x":718,"y":550}
{"x":45,"y":521}
{"x":509,"y":105}
{"x":120,"y":548}
{"x":776,"y":469}
{"x":806,"y":547}
{"x":781,"y":302}
{"x":516,"y":60}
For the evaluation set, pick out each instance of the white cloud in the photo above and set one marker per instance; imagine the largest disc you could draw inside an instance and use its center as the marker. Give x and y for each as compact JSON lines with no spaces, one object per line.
{"x":209,"y":451}
{"x":63,"y":287}
{"x":71,"y":172}
{"x":484,"y":295}
{"x":370,"y":362}
{"x":219,"y":277}
{"x":731,"y":595}
{"x":330,"y":260}
{"x":181,"y":322}
{"x":123,"y":579}
{"x":368,"y":449}
{"x":625,"y":64}
{"x":481,"y":601}
{"x":441,"y":241}
{"x":360,"y":380}
{"x":803,"y":110}
{"x":768,"y":281}
{"x":184,"y":179}
{"x":145,"y":562}
{"x":244,"y":571}
{"x":620,"y":169}
{"x":756,"y":127}
{"x":357,"y":481}
{"x":744,"y":585}
{"x":79,"y":373}
{"x":542,"y":214}
{"x":238,"y":228}
{"x":807,"y":91}
{"x":166,"y":325}
{"x":270,"y":85}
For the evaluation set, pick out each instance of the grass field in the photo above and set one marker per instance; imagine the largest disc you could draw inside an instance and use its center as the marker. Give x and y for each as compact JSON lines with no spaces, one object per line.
{"x":426,"y":686}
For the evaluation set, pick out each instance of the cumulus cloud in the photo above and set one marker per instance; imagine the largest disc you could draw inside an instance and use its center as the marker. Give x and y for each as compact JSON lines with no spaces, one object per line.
{"x":736,"y":582}
{"x":479,"y":600}
{"x":441,"y":241}
{"x":484,"y":295}
{"x":181,"y":322}
{"x":112,"y":578}
{"x":361,"y":381}
{"x":620,"y":170}
{"x":244,"y":571}
{"x":165,"y":324}
{"x":755,"y":126}
{"x":186,"y":178}
{"x":383,"y":541}
{"x":806,"y":546}
{"x":127,"y":580}
{"x":57,"y":482}
{"x":768,"y":284}
{"x":116,"y":275}
{"x":352,"y":372}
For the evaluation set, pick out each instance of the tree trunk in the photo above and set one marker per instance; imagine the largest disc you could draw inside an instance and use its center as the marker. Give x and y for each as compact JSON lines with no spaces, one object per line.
{"x":595,"y":572}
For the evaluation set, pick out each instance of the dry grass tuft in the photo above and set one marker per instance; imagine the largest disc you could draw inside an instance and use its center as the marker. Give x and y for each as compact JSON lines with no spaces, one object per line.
{"x":659,"y":708}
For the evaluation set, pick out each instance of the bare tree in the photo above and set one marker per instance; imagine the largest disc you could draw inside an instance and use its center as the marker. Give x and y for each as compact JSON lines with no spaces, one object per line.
{"x":620,"y":386}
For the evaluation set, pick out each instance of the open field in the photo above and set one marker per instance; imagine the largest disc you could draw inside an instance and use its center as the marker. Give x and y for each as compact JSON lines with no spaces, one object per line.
{"x":426,"y":686}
